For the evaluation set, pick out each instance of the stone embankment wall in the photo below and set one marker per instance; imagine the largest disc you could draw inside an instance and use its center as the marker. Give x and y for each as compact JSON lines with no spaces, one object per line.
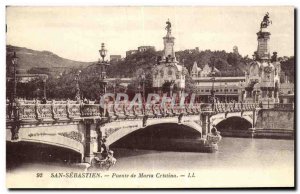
{"x":275,"y":119}
{"x":275,"y":124}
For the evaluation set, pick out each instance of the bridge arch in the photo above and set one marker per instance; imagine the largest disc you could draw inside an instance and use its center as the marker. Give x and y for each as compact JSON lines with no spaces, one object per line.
{"x":114,"y":137}
{"x":65,"y":137}
{"x":34,"y":151}
{"x":216,"y":119}
{"x":234,"y":123}
{"x":78,"y":149}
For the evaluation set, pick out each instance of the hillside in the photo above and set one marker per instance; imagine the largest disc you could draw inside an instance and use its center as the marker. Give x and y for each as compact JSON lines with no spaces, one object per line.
{"x":229,"y":64}
{"x":42,"y":59}
{"x":64,"y":86}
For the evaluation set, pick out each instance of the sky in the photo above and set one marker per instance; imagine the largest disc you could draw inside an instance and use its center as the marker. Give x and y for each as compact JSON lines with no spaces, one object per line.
{"x":76,"y":33}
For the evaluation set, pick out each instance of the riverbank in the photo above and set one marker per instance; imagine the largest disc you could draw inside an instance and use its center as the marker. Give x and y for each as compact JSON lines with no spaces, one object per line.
{"x":268,"y":133}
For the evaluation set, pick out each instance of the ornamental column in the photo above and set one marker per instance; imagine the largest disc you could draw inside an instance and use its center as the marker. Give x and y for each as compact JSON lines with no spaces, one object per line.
{"x":89,"y":143}
{"x":204,"y":121}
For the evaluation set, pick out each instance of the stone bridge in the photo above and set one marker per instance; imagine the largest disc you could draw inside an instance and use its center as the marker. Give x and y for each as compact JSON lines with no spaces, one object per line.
{"x":81,"y":127}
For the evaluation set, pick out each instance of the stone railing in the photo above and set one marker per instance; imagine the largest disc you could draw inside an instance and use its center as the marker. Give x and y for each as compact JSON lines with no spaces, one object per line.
{"x":35,"y":112}
{"x":280,"y":106}
{"x":235,"y":107}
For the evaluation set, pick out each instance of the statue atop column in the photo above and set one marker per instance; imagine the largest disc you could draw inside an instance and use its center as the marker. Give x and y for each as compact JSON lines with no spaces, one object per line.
{"x":266,"y":22}
{"x":168,"y":27}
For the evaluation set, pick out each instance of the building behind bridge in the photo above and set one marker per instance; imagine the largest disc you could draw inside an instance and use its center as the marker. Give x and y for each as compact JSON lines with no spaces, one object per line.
{"x":115,"y":58}
{"x":140,"y":49}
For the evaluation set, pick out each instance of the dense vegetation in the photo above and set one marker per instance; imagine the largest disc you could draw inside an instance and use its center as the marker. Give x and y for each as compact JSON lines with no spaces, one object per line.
{"x":62,"y":84}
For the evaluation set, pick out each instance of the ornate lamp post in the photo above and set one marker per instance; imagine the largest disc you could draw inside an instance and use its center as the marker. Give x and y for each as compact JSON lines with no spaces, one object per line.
{"x":225,"y":92}
{"x":103,"y":65}
{"x":44,"y":79}
{"x":143,"y":79}
{"x":77,"y":97}
{"x":171,"y":88}
{"x":115,"y":85}
{"x":139,"y":88}
{"x":103,"y":52}
{"x":15,"y":63}
{"x":213,"y":82}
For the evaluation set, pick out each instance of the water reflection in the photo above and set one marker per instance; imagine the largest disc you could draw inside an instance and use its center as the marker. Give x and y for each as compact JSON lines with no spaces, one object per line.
{"x":233,"y":152}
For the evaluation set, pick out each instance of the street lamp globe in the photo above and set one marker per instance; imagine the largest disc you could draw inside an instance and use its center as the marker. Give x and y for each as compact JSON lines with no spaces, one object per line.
{"x":103,"y":51}
{"x":14,"y":59}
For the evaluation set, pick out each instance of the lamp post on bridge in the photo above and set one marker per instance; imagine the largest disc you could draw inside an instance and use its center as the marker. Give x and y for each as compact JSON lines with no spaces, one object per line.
{"x":213,"y":82}
{"x":139,"y":88}
{"x":103,"y":66}
{"x":143,"y":80}
{"x":14,"y":94}
{"x":225,"y":92}
{"x":171,"y":88}
{"x":77,"y":97}
{"x":44,"y":79}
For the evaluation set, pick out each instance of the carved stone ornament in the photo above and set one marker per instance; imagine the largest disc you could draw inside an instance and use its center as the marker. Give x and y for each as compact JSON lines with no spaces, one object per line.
{"x":268,"y":69}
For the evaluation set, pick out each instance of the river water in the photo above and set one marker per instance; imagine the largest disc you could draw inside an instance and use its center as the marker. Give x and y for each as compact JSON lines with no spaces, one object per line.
{"x":241,"y":162}
{"x":233,"y":153}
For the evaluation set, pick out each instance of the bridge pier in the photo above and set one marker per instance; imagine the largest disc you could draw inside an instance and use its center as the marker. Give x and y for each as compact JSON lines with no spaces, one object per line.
{"x":252,"y":129}
{"x":89,"y":142}
{"x":205,"y":124}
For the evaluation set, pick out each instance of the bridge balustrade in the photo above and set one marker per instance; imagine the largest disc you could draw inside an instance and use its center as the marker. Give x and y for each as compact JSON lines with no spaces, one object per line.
{"x":198,"y":108}
{"x":59,"y":111}
{"x":167,"y":109}
{"x":138,"y":110}
{"x":27,"y":101}
{"x":219,"y":108}
{"x":54,"y":111}
{"x":73,"y":110}
{"x":109,"y":110}
{"x":27,"y":112}
{"x":280,"y":106}
{"x":129,"y":112}
{"x":178,"y":109}
{"x":188,"y":109}
{"x":90,"y":110}
{"x":120,"y":110}
{"x":44,"y":112}
{"x":248,"y":106}
{"x":194,"y":109}
{"x":224,"y":108}
{"x":206,"y":107}
{"x":157,"y":110}
{"x":229,"y":107}
{"x":148,"y":110}
{"x":238,"y":107}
